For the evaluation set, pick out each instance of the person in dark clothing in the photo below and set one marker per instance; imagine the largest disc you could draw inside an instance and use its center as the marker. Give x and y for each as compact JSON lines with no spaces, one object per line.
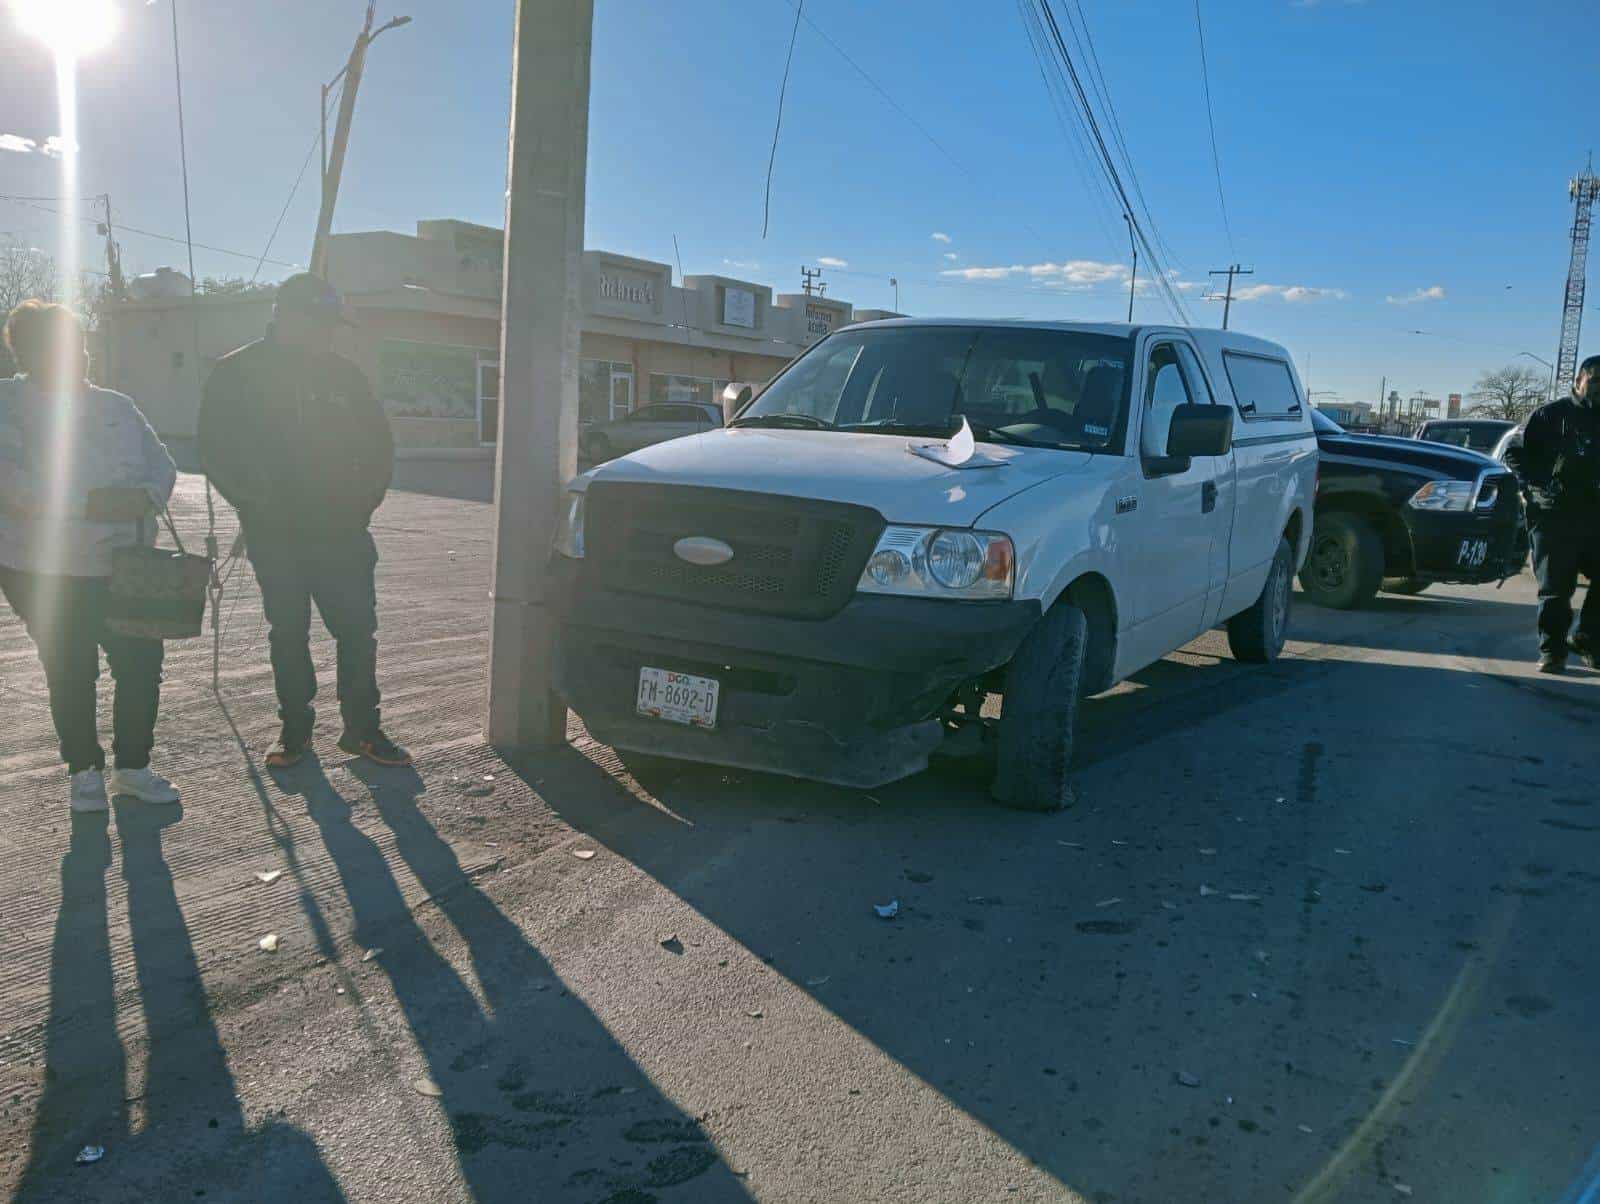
{"x":1557,"y":462}
{"x":291,"y":435}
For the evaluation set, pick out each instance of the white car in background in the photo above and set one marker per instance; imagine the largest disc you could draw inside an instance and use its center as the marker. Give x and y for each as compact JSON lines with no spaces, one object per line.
{"x":917,"y":514}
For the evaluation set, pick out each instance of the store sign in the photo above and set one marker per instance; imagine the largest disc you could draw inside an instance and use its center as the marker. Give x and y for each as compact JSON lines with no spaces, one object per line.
{"x":630,"y":289}
{"x":739,"y":308}
{"x":820,"y":320}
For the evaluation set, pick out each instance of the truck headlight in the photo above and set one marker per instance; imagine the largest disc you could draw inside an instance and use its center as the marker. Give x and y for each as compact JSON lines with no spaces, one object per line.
{"x":1444,"y":495}
{"x":934,"y":562}
{"x":569,"y":526}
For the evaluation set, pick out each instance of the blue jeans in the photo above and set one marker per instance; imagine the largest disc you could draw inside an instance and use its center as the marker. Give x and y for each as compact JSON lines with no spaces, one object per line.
{"x":335,"y":572}
{"x":65,"y":617}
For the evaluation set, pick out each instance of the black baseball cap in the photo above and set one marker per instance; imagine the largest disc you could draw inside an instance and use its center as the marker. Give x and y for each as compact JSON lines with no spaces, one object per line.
{"x":309,"y":294}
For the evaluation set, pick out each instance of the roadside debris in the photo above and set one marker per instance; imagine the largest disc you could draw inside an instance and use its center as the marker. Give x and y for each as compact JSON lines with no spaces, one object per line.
{"x":1208,"y":852}
{"x":426,"y":1086}
{"x":887,"y":911}
{"x":1243,"y":898}
{"x":583,"y":854}
{"x":269,"y":943}
{"x":817,"y":982}
{"x":1168,"y":906}
{"x":1402,"y":1041}
{"x":1304,"y":1128}
{"x":1070,"y":844}
{"x":90,"y":1153}
{"x":371,"y":953}
{"x":1111,"y":902}
{"x":1185,"y":1079}
{"x":1206,"y":892}
{"x":756,"y":1014}
{"x":479,"y":791}
{"x":1342,"y":852}
{"x":1403,"y":1189}
{"x":268,"y":877}
{"x":670,"y":943}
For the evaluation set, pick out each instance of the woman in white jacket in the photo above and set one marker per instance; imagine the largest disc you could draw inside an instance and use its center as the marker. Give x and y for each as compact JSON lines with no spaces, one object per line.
{"x":80,"y":469}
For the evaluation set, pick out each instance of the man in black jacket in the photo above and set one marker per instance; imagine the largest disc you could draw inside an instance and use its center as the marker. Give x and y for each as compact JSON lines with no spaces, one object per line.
{"x":1557,"y":462}
{"x":290,"y":434}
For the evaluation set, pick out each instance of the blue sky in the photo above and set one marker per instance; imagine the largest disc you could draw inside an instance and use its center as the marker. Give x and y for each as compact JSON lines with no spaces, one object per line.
{"x":1372,"y":154}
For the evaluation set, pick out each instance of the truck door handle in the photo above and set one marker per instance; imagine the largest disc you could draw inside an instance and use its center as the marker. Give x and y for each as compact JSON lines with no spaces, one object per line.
{"x":1208,"y":497}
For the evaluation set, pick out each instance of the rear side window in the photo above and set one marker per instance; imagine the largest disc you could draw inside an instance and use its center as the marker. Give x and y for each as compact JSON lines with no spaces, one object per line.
{"x":1264,"y":388}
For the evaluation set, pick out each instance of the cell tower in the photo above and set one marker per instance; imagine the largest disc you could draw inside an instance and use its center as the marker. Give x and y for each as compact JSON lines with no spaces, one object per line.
{"x":1584,"y":190}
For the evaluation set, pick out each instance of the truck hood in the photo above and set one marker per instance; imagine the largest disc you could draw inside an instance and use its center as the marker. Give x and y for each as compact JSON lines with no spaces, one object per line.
{"x":839,"y":466}
{"x":1456,"y":463}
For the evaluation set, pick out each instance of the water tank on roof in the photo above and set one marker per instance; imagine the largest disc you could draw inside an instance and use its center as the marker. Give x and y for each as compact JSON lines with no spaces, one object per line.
{"x":163,"y":284}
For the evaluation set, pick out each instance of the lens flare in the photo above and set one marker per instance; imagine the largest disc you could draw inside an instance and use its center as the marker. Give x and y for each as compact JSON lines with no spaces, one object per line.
{"x":71,"y":28}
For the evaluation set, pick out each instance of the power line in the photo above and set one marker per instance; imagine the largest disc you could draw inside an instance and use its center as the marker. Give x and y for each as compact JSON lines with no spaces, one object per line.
{"x":1216,"y":161}
{"x":284,"y":212}
{"x":985,"y":186}
{"x":1062,"y":58}
{"x":126,"y":229}
{"x":783,"y":90}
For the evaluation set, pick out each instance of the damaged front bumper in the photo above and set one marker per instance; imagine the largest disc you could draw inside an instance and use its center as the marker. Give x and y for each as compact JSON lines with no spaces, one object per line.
{"x":852,"y":699}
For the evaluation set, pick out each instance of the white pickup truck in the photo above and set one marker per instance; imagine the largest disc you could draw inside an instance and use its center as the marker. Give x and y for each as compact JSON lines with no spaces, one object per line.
{"x":918,"y":514}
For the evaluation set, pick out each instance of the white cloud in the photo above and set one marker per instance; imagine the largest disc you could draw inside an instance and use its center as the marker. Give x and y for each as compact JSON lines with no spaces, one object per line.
{"x":939,"y":236}
{"x":1185,"y":286}
{"x":1435,"y":293}
{"x":55,"y":146}
{"x":1082,"y":273}
{"x":745,"y":264}
{"x":829,"y":261}
{"x":951,"y":256}
{"x":1286,"y":292}
{"x":17,"y":143}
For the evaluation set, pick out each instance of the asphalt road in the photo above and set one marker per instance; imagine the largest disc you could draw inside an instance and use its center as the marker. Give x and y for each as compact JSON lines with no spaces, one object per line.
{"x":1317,"y":932}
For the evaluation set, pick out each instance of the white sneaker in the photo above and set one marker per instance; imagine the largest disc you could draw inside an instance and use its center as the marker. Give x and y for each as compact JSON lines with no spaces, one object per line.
{"x":146,"y":785}
{"x":88,"y":791}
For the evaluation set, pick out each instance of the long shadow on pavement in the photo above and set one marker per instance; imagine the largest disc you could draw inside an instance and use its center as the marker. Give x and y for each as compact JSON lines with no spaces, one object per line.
{"x":192,"y":1136}
{"x":1051,"y":975}
{"x":540,"y":1098}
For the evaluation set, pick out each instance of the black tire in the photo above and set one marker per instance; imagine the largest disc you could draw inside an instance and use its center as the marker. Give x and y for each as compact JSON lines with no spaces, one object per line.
{"x":1039,"y":713}
{"x":596,"y":449}
{"x":1345,"y":565}
{"x":1409,"y":586}
{"x":1257,"y":635}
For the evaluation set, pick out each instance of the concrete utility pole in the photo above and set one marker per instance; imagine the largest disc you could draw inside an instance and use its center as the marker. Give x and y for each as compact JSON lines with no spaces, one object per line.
{"x":1230,"y":272}
{"x":537,"y":453}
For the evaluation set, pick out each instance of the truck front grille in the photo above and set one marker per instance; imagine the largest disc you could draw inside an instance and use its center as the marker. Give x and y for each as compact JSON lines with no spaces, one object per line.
{"x":792,"y":557}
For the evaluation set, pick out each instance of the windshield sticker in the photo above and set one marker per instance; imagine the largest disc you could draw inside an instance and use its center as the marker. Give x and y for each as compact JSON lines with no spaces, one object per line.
{"x":1103,"y":431}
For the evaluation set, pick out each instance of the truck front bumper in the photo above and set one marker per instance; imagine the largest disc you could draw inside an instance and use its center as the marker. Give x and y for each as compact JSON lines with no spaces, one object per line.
{"x":1452,"y":546}
{"x":853,"y":699}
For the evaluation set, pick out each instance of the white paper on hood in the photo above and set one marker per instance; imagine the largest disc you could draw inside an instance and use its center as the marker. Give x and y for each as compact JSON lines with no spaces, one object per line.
{"x":959,"y":451}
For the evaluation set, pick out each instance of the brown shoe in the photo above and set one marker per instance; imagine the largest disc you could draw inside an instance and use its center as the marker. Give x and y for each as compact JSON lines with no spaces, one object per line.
{"x":286,"y":753}
{"x":376,"y":748}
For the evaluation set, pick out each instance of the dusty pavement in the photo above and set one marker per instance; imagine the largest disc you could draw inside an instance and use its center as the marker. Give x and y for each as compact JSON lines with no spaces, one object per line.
{"x":1318,"y":932}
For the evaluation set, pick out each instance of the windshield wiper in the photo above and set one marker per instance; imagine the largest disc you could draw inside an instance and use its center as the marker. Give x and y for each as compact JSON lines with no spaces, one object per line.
{"x":804,"y":422}
{"x":999,"y":434}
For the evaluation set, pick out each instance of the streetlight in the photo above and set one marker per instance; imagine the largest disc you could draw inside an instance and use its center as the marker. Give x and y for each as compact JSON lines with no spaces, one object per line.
{"x":362,"y":42}
{"x":1550,"y":392}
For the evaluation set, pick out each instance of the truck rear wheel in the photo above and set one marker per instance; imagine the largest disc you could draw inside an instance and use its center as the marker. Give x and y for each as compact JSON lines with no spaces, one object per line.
{"x":1345,"y":566}
{"x":1039,"y":713}
{"x":1257,"y":635}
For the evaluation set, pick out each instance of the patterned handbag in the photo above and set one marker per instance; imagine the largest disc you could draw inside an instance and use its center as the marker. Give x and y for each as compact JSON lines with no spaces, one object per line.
{"x":158,"y":593}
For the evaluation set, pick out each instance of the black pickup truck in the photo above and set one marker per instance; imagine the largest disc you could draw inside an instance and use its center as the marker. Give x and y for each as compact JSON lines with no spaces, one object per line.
{"x":1401,"y":514}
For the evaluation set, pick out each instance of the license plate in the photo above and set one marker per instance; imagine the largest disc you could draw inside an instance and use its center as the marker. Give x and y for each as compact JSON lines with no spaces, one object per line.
{"x":678,"y":697}
{"x":1472,"y":553}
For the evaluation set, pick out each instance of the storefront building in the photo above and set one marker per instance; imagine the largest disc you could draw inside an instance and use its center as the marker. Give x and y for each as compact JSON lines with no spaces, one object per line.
{"x":426,"y":309}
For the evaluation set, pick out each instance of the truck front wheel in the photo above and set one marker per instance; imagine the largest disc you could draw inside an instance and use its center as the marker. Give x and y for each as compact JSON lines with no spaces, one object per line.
{"x":1345,"y":566}
{"x":1258,"y":634}
{"x":1039,"y":713}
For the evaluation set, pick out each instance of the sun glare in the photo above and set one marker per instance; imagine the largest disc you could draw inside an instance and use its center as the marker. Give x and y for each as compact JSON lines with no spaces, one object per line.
{"x":71,"y":28}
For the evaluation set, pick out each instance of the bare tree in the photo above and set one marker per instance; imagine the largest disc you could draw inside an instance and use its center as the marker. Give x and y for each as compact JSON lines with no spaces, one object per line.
{"x":25,"y":272}
{"x":1510,"y":393}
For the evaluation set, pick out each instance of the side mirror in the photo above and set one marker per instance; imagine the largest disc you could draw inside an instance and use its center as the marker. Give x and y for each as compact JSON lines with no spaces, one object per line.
{"x":1198,"y":430}
{"x":735,"y":396}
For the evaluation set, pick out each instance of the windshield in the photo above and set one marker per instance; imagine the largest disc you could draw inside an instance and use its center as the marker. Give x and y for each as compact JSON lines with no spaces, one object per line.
{"x":1476,"y":436}
{"x":1325,"y":425}
{"x":1057,"y":388}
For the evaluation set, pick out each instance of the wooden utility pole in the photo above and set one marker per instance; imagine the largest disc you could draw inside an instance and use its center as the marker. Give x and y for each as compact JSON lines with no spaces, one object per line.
{"x":333,"y":157}
{"x":1230,"y":272}
{"x":537,"y":453}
